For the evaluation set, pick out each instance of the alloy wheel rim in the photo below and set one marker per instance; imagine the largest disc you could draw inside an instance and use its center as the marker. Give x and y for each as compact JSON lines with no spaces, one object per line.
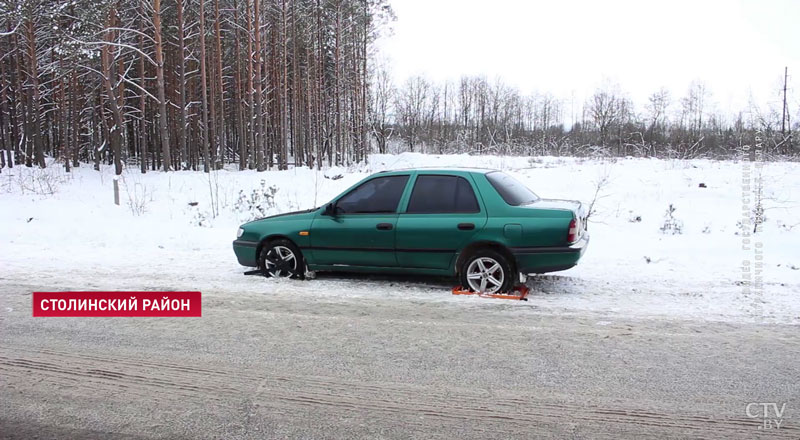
{"x":485,"y":275}
{"x":280,"y":262}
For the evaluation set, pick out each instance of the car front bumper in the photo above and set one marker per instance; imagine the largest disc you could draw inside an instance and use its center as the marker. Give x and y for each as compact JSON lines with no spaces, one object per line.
{"x":246,"y":252}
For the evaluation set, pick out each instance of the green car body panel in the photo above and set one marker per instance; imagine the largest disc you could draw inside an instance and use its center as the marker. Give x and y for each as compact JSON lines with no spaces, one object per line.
{"x":534,"y":235}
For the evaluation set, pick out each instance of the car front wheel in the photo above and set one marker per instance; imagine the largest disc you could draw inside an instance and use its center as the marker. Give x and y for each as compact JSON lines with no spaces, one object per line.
{"x":487,"y":271}
{"x":281,"y":259}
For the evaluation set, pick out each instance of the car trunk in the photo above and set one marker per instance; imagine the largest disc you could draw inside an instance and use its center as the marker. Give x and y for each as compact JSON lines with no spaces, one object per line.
{"x":575,"y":206}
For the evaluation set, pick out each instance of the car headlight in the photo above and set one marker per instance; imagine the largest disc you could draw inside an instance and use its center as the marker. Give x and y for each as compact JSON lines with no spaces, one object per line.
{"x":239,"y":233}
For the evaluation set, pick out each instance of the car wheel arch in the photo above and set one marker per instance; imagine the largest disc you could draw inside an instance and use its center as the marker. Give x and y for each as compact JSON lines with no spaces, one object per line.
{"x":484,"y":244}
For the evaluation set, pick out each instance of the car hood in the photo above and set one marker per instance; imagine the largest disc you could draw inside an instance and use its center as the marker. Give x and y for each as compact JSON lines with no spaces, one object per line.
{"x":294,"y":215}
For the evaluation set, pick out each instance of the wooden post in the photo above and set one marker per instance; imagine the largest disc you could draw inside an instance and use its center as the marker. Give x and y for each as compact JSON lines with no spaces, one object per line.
{"x":783,"y":117}
{"x":116,"y":190}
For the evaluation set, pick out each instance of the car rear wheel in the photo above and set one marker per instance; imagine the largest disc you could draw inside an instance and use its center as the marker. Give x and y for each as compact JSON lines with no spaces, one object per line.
{"x":487,"y":271}
{"x":281,"y":259}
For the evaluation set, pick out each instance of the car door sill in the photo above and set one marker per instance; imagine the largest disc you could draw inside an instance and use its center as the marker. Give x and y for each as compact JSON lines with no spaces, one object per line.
{"x":362,"y":249}
{"x":322,"y":267}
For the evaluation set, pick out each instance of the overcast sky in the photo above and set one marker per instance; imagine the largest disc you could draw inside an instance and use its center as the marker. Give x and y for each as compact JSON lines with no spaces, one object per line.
{"x":570,"y":47}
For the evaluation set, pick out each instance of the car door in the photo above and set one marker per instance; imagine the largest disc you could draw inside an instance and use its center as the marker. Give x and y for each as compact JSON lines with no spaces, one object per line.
{"x":442,"y":215}
{"x":362,"y":230}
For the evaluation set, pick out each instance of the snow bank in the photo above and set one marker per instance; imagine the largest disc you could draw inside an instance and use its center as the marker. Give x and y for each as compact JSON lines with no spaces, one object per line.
{"x":174,"y":231}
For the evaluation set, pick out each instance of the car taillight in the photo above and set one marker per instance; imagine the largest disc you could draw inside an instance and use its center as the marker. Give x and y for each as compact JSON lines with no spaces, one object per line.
{"x":572,"y":234}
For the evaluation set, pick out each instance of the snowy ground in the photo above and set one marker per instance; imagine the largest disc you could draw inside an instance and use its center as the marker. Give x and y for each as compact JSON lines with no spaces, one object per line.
{"x":174,"y":231}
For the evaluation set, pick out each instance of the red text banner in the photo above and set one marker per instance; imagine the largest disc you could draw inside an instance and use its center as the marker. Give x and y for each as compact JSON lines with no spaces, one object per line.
{"x":121,"y":304}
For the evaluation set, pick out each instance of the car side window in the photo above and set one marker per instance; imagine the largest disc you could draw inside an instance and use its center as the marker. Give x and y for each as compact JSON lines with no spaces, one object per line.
{"x":375,"y":196}
{"x":442,"y":195}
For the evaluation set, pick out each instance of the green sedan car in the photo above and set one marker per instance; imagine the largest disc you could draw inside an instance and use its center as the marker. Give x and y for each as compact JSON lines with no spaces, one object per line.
{"x":480,"y":225}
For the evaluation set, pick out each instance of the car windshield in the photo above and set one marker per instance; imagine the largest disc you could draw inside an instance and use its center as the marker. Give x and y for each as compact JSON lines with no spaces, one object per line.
{"x":510,"y":189}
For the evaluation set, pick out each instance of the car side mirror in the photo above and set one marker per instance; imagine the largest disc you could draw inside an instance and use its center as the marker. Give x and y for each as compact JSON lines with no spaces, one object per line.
{"x":330,"y":210}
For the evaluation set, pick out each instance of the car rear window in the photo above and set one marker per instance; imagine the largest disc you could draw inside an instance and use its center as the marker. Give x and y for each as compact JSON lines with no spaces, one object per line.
{"x":441,"y":195}
{"x":510,"y":189}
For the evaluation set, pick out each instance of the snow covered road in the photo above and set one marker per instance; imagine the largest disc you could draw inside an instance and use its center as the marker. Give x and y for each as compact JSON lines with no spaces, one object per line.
{"x":278,"y":365}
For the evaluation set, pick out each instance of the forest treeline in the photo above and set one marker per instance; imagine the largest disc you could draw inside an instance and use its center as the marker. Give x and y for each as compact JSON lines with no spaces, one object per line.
{"x":197,"y":84}
{"x":479,"y":116}
{"x":187,"y":84}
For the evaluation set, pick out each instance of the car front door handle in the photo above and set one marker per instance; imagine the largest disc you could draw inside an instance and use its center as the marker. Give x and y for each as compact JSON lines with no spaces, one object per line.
{"x":384,"y":226}
{"x":466,"y":226}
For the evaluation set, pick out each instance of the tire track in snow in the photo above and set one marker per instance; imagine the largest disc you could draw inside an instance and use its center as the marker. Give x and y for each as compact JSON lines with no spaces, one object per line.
{"x":163,"y":382}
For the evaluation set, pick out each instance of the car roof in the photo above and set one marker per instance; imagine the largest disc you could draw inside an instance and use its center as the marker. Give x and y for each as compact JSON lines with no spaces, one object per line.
{"x":476,"y":170}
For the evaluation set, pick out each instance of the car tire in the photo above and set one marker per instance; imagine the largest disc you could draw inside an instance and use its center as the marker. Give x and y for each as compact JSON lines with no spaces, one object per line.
{"x":488,"y":268}
{"x":281,"y":259}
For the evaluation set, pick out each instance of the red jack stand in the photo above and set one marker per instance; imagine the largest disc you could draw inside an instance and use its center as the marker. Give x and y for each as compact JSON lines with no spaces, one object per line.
{"x":520,"y":293}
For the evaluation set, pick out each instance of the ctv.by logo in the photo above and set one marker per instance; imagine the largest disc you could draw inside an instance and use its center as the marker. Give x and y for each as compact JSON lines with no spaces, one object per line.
{"x":765,"y":411}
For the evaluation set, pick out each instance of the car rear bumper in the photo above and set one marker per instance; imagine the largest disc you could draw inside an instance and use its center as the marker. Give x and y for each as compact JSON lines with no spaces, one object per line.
{"x":246,"y":252}
{"x":550,"y":258}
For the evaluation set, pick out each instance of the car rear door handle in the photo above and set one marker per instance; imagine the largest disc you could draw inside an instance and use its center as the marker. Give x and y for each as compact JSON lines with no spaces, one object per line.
{"x":384,"y":226}
{"x":466,"y":226}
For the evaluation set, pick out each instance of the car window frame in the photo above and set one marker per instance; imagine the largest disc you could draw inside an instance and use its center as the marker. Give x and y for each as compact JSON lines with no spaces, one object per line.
{"x":362,"y":183}
{"x":470,"y":182}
